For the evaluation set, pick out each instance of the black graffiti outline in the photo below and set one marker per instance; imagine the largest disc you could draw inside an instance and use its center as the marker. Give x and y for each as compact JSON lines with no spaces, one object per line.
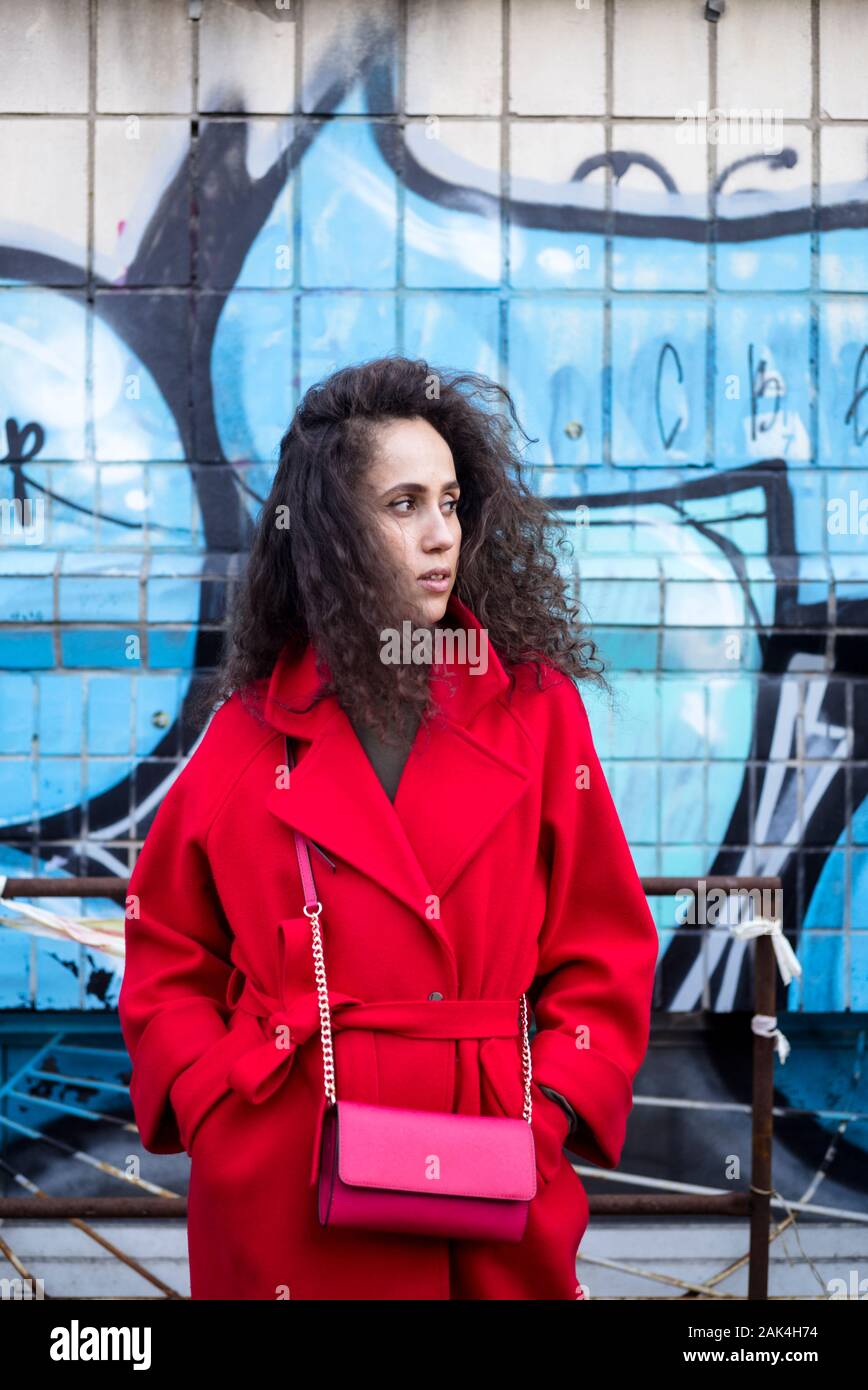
{"x":856,"y":399}
{"x":772,"y":383}
{"x":667,"y":439}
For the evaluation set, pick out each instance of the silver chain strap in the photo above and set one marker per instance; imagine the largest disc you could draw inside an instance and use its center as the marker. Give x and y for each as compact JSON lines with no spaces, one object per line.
{"x":525,"y":1062}
{"x":325,"y":1022}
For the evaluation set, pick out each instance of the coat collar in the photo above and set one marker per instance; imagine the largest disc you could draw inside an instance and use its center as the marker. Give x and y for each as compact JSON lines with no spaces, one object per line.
{"x":293,"y":683}
{"x":455,"y":788}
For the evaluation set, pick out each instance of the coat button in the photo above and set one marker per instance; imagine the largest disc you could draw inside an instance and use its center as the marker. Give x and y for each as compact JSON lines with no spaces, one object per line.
{"x":435,"y":995}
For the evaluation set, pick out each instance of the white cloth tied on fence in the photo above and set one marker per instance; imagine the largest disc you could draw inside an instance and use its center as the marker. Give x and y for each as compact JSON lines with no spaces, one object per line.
{"x":787,"y":960}
{"x":766,"y":1025}
{"x":102,"y":933}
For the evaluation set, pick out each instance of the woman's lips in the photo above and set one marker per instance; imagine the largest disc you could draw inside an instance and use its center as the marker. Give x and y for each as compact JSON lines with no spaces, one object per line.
{"x":436,"y":586}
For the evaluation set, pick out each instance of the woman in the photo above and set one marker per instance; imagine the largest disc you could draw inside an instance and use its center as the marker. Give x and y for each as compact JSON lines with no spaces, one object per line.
{"x":464,"y":843}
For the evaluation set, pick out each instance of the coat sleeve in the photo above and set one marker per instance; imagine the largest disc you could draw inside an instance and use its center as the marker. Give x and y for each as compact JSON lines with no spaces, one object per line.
{"x":598,"y":945}
{"x":172,"y":1001}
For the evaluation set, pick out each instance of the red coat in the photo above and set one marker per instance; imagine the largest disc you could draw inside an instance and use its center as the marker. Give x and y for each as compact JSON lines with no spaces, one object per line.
{"x":497,"y":870}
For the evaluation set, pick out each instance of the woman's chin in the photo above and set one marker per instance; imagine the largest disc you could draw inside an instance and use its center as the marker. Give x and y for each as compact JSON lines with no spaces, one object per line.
{"x":429,"y":608}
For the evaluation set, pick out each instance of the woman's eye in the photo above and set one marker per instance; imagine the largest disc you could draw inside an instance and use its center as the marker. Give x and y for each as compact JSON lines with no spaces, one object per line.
{"x":451,"y":503}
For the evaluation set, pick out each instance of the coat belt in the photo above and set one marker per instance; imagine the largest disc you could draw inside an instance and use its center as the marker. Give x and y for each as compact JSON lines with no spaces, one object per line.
{"x":258,"y":1072}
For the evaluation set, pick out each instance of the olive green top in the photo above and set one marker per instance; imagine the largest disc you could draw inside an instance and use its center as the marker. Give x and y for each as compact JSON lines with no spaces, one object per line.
{"x":387,"y":759}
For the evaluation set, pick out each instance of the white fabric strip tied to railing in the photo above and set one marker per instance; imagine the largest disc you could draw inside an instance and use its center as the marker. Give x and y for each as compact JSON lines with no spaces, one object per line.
{"x":766,"y":1025}
{"x":102,"y":933}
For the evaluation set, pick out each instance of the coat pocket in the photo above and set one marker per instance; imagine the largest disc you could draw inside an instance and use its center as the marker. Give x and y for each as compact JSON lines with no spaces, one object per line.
{"x":500,"y":1060}
{"x":200,"y":1086}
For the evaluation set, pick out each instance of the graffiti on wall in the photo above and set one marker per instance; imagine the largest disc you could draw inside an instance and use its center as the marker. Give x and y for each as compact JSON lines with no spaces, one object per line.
{"x":702,"y":441}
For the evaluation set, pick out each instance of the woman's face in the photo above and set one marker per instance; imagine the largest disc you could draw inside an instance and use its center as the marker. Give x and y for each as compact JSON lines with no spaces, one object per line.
{"x":415,"y":494}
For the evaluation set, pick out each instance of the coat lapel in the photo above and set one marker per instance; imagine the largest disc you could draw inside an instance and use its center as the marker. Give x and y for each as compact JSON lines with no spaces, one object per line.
{"x":455,"y":788}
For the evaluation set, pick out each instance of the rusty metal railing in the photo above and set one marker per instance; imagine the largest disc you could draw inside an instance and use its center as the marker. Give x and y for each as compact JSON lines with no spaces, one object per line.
{"x":754,"y":1205}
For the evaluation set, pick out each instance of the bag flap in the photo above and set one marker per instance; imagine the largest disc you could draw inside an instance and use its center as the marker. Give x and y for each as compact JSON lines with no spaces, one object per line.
{"x":432,"y":1152}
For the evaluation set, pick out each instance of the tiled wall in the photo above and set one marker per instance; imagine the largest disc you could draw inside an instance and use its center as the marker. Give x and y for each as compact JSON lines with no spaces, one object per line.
{"x":205,"y":207}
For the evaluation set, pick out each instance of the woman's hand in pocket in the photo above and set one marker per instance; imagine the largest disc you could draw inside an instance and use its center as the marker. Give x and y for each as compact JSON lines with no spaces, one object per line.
{"x":550,"y":1124}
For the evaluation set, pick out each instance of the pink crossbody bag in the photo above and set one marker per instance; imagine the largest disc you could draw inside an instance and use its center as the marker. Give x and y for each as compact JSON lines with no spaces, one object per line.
{"x":417,"y":1172}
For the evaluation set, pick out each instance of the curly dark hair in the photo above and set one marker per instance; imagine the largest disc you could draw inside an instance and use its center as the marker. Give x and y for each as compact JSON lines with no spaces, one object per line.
{"x":325,"y":576}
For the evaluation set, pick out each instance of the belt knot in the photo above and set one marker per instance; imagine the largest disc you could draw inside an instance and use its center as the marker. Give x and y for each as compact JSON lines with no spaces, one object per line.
{"x":258,"y":1072}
